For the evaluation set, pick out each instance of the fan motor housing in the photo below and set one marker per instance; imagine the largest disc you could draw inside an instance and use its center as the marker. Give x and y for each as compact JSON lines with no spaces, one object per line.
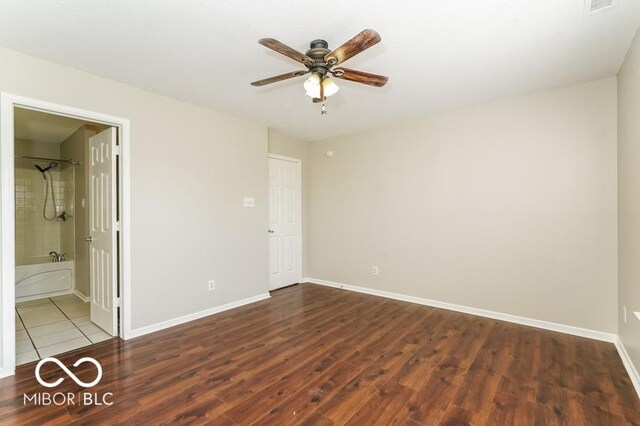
{"x":318,"y":50}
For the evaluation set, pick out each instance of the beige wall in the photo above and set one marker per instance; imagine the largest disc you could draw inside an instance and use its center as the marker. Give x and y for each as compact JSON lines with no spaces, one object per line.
{"x":509,"y":207}
{"x":629,"y":199}
{"x":75,"y":148}
{"x":36,"y":149}
{"x":282,"y":144}
{"x":190,"y":168}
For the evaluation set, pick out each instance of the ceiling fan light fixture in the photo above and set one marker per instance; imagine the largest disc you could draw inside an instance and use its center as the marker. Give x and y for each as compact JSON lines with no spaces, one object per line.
{"x":312,"y":86}
{"x":329,"y":86}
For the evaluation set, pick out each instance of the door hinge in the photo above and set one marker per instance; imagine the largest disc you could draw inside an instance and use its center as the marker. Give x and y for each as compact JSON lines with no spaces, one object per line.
{"x":117,"y":302}
{"x":116,"y":150}
{"x":117,"y":226}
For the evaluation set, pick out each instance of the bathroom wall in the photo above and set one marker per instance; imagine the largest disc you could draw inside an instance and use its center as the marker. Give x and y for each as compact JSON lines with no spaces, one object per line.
{"x":36,"y":149}
{"x":36,"y":236}
{"x":75,"y":148}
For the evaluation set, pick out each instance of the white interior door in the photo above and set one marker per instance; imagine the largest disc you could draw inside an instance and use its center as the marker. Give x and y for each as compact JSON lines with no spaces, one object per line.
{"x":285,"y":222}
{"x":103,"y":228}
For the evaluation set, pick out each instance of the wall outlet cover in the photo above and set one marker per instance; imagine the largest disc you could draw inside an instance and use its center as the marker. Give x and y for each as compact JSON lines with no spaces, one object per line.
{"x":212,"y":285}
{"x":248,"y":202}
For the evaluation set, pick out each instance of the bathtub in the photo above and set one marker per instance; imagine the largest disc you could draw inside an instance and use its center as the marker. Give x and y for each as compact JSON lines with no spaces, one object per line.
{"x":39,"y":277}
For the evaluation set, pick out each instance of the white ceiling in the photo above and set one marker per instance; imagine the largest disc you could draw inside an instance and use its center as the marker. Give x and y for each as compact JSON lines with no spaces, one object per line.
{"x":42,"y":127}
{"x":438,"y":54}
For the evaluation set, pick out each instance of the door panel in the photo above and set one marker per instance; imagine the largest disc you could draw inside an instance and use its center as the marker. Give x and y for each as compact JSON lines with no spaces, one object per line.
{"x":102,"y":263}
{"x":285,"y":223}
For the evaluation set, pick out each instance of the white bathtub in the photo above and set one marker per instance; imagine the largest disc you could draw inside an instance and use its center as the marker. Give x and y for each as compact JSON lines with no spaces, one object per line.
{"x":39,"y":277}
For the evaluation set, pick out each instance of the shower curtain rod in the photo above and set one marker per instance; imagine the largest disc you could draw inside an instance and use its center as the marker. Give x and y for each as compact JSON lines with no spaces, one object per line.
{"x":73,"y":162}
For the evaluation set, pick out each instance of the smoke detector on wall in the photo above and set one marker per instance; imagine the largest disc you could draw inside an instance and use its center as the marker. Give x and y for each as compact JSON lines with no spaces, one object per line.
{"x":592,"y":6}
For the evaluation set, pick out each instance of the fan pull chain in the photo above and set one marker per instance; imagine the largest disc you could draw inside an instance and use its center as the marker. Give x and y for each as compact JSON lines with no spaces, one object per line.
{"x":323,"y":111}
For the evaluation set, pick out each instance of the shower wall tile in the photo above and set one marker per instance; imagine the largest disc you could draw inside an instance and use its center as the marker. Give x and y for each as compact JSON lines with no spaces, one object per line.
{"x":36,"y":236}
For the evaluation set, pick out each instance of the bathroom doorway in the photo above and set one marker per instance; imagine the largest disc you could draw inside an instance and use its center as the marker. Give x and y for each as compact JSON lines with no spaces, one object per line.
{"x":68,"y":251}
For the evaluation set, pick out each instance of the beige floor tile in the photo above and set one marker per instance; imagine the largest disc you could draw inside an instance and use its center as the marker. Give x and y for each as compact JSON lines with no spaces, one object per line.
{"x":72,"y":313}
{"x":21,"y":335}
{"x":57,"y":337}
{"x":100,"y":336}
{"x":62,"y":347}
{"x":23,"y":346}
{"x":35,"y":319}
{"x":33,"y":302}
{"x":26,"y":357}
{"x":81,"y":320}
{"x":90,"y":329}
{"x":37,"y":308}
{"x":51,"y":328}
{"x":70,"y":303}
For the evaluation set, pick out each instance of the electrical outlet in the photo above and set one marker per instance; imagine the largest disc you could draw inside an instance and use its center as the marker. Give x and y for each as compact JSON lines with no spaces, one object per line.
{"x":212,"y":285}
{"x":624,"y":314}
{"x":376,"y":271}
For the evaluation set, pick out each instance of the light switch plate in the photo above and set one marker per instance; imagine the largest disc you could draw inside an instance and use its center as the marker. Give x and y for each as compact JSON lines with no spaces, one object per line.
{"x":637,"y":314}
{"x":249,"y":202}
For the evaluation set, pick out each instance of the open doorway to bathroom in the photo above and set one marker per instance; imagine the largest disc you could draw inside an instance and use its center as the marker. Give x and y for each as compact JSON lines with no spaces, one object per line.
{"x":66,"y":233}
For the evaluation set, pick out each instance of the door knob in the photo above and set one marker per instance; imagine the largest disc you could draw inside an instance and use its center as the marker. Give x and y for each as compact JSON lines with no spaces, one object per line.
{"x":271,"y":231}
{"x":89,"y":239}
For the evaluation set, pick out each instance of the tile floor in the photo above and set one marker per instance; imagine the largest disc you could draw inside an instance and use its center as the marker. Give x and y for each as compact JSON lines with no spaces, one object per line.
{"x":47,"y":327}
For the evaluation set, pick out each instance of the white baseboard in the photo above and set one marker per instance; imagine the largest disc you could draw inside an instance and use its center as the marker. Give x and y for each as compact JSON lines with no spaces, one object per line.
{"x":6,"y":373}
{"x":628,"y":364}
{"x":81,"y":296}
{"x":194,"y":316}
{"x":546,"y":325}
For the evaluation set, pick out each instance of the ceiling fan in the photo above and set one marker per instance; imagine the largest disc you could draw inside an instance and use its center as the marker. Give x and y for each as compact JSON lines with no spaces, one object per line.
{"x":320,"y":63}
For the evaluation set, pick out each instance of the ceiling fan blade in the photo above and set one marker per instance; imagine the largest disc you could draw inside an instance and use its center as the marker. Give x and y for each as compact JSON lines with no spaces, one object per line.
{"x":360,"y":77}
{"x":279,"y":78}
{"x":359,"y":43}
{"x":285,"y":50}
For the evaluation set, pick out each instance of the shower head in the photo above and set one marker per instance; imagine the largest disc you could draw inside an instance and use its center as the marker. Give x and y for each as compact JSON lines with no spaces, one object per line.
{"x":45,"y":169}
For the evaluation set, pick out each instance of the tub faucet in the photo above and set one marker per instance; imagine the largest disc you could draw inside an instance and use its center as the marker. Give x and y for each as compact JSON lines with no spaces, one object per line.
{"x":56,"y":257}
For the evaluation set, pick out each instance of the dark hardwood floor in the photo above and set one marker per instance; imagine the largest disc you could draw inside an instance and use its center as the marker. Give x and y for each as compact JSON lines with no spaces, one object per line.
{"x":315,"y":355}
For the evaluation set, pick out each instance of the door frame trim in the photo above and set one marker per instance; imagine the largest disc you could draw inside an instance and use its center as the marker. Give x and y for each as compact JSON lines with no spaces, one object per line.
{"x":7,"y":214}
{"x":301,"y":211}
{"x":285,"y":158}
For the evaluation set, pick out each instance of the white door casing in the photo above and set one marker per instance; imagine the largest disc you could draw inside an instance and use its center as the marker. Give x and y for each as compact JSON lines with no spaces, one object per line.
{"x":7,"y":223}
{"x":285,"y":222}
{"x":103,"y":228}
